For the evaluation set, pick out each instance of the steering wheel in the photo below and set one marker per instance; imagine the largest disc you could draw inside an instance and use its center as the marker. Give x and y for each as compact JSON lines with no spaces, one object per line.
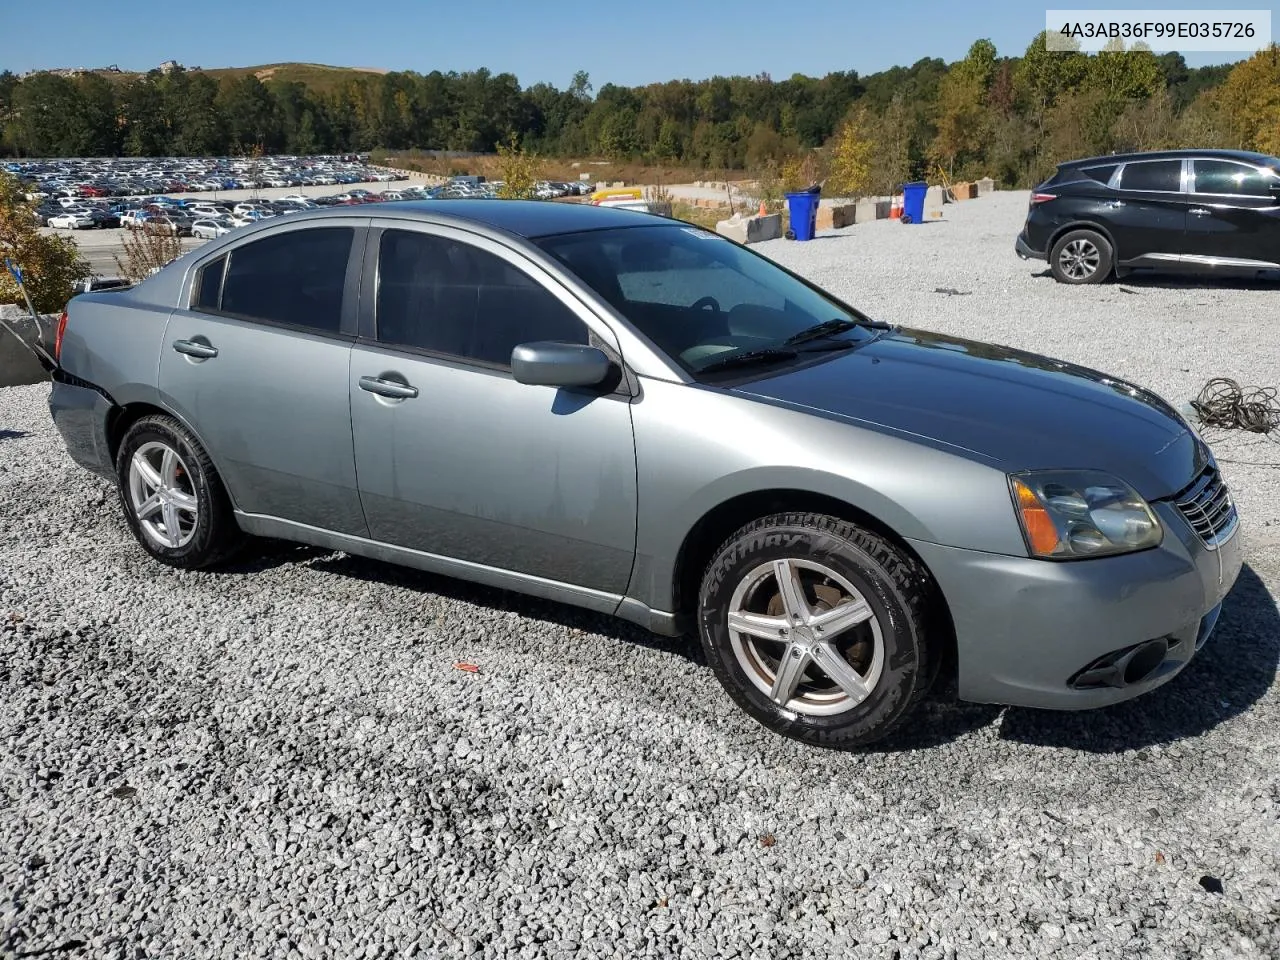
{"x":705,"y":302}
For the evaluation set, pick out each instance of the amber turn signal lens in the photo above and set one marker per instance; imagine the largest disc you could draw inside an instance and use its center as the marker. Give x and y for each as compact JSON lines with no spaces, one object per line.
{"x":1041,"y":531}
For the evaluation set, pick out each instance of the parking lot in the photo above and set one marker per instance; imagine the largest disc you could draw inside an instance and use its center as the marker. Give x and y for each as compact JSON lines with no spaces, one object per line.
{"x":100,"y":247}
{"x":282,"y":759}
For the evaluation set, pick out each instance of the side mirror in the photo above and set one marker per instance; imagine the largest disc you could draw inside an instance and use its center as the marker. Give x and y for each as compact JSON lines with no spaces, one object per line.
{"x":553,"y":364}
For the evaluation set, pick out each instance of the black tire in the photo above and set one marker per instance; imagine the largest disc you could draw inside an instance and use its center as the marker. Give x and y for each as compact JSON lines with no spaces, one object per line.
{"x":896,"y":588}
{"x":1081,"y":256}
{"x":214,"y":537}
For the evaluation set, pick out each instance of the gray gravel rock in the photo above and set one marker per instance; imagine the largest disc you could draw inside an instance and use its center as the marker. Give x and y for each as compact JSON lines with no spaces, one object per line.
{"x":281,"y":761}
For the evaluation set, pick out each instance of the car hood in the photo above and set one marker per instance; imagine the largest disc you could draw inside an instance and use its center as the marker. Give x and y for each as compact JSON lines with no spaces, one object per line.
{"x":1016,"y":410}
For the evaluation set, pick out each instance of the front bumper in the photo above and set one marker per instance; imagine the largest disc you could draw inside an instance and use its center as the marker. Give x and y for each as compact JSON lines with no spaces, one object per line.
{"x":1025,"y":629}
{"x":1023,"y":249}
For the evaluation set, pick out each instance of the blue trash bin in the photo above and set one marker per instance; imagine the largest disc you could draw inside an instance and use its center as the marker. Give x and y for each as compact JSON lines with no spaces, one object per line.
{"x":913,"y":201}
{"x":803,"y":208}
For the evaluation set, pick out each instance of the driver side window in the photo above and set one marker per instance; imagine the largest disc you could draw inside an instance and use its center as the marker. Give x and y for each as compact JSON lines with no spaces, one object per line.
{"x":450,"y":298}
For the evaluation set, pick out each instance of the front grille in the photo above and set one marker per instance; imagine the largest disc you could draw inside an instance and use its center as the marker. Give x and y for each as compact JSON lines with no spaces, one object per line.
{"x":1207,"y":506}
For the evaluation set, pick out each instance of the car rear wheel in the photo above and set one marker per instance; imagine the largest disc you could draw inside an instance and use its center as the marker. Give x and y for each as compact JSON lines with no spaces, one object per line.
{"x":819,"y":629}
{"x":1081,"y":256}
{"x":173,"y":500}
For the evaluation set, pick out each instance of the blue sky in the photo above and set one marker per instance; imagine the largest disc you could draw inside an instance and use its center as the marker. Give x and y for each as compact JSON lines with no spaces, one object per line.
{"x":649,"y":41}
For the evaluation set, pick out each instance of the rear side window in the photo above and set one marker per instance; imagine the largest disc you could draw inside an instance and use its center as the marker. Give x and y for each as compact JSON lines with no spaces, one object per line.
{"x":1160,"y":175}
{"x":1101,"y":174}
{"x":209,"y":285}
{"x":451,"y":298}
{"x":1223,"y":176}
{"x":294,"y":278}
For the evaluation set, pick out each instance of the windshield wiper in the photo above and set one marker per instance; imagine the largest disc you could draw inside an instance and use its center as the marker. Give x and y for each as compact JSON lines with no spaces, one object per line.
{"x":762,"y":355}
{"x":829,"y":328}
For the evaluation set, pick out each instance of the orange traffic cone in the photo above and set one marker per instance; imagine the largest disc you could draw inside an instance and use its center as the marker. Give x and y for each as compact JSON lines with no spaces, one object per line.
{"x":763,"y":211}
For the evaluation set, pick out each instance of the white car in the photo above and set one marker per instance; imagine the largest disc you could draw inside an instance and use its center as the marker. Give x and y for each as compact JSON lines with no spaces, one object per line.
{"x":210,"y":229}
{"x":72,"y":221}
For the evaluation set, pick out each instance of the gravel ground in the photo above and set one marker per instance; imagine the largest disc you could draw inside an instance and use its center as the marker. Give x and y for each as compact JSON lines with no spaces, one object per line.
{"x":281,"y":760}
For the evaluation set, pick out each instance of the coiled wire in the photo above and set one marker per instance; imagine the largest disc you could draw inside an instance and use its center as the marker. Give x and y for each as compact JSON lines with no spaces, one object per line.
{"x":1224,"y":403}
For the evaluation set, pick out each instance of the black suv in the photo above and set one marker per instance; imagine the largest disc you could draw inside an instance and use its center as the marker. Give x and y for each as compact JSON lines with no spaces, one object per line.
{"x":1190,"y":210}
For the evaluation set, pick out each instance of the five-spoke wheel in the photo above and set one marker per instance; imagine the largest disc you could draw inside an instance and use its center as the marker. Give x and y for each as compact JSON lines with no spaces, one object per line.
{"x":173,"y":499}
{"x":163,"y":497}
{"x":804,"y":635}
{"x":821,"y":630}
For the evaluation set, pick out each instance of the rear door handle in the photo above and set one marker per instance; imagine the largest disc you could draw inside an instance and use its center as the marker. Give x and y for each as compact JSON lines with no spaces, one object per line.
{"x":205,"y":351}
{"x":1199,"y":211}
{"x":388,"y":388}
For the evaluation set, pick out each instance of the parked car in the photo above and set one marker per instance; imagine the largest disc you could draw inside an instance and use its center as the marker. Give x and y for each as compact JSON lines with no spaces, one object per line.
{"x":1214,"y":211}
{"x":210,"y":229}
{"x":170,"y":225}
{"x":72,"y":220}
{"x":640,"y":417}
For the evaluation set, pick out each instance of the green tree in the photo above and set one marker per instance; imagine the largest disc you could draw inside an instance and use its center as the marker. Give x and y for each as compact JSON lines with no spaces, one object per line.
{"x":1250,"y":101}
{"x":251,"y":114}
{"x":851,"y":155}
{"x":94,"y":131}
{"x":519,"y":170}
{"x":146,"y":128}
{"x":962,"y":114}
{"x":51,"y":265}
{"x":48,"y":111}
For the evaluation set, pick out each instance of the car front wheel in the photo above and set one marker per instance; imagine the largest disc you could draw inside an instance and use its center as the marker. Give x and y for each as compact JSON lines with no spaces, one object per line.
{"x":819,"y":629}
{"x":173,"y":500}
{"x":1081,"y":256}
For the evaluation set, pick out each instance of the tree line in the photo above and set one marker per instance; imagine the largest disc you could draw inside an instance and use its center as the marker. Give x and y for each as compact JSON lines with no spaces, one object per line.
{"x":1008,"y":117}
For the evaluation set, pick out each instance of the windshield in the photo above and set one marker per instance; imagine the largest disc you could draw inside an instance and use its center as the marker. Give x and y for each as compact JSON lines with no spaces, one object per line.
{"x":699,"y":297}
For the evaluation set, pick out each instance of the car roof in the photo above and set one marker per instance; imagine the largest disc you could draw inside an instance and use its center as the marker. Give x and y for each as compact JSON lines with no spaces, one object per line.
{"x":523,"y":218}
{"x":1247,"y":156}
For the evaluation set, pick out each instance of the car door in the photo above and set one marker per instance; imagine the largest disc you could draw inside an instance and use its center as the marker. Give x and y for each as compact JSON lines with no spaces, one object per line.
{"x":257,"y":364}
{"x":1148,"y":214}
{"x":457,"y":459}
{"x":1234,"y":213}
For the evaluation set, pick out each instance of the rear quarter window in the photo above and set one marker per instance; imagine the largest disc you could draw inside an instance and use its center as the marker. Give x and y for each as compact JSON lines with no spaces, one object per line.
{"x":1101,"y":174}
{"x":208,"y":286}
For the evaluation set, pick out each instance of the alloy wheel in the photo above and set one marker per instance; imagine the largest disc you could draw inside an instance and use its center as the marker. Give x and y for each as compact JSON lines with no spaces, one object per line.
{"x":162,"y":495}
{"x":1079,"y":259}
{"x":806,"y":637}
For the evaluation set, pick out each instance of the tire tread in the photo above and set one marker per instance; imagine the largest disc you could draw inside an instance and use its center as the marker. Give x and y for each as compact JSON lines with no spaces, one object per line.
{"x":911,"y":582}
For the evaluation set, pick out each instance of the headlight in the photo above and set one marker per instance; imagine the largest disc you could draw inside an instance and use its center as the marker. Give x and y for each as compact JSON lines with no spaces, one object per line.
{"x":1067,"y":514}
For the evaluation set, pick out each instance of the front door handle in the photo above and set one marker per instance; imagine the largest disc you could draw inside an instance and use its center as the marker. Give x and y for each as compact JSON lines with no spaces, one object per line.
{"x":1198,"y":212}
{"x":191,"y":348}
{"x":388,"y":388}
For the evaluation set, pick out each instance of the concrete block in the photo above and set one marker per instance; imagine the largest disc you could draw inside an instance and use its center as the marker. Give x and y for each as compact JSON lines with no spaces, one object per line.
{"x":836,"y":216}
{"x":985,"y":185}
{"x":865,"y":210}
{"x":746,"y":230}
{"x":882,"y":209}
{"x":18,"y":365}
{"x":933,"y":201}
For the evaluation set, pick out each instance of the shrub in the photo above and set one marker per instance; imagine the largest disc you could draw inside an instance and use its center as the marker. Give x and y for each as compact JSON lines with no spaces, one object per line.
{"x":519,"y":170}
{"x":51,"y":265}
{"x":145,"y":252}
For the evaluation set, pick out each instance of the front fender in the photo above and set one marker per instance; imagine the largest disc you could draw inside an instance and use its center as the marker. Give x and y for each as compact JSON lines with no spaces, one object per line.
{"x":698,"y":449}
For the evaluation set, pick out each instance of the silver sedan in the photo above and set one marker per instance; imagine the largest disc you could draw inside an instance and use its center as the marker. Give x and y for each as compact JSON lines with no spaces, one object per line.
{"x":634,"y":415}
